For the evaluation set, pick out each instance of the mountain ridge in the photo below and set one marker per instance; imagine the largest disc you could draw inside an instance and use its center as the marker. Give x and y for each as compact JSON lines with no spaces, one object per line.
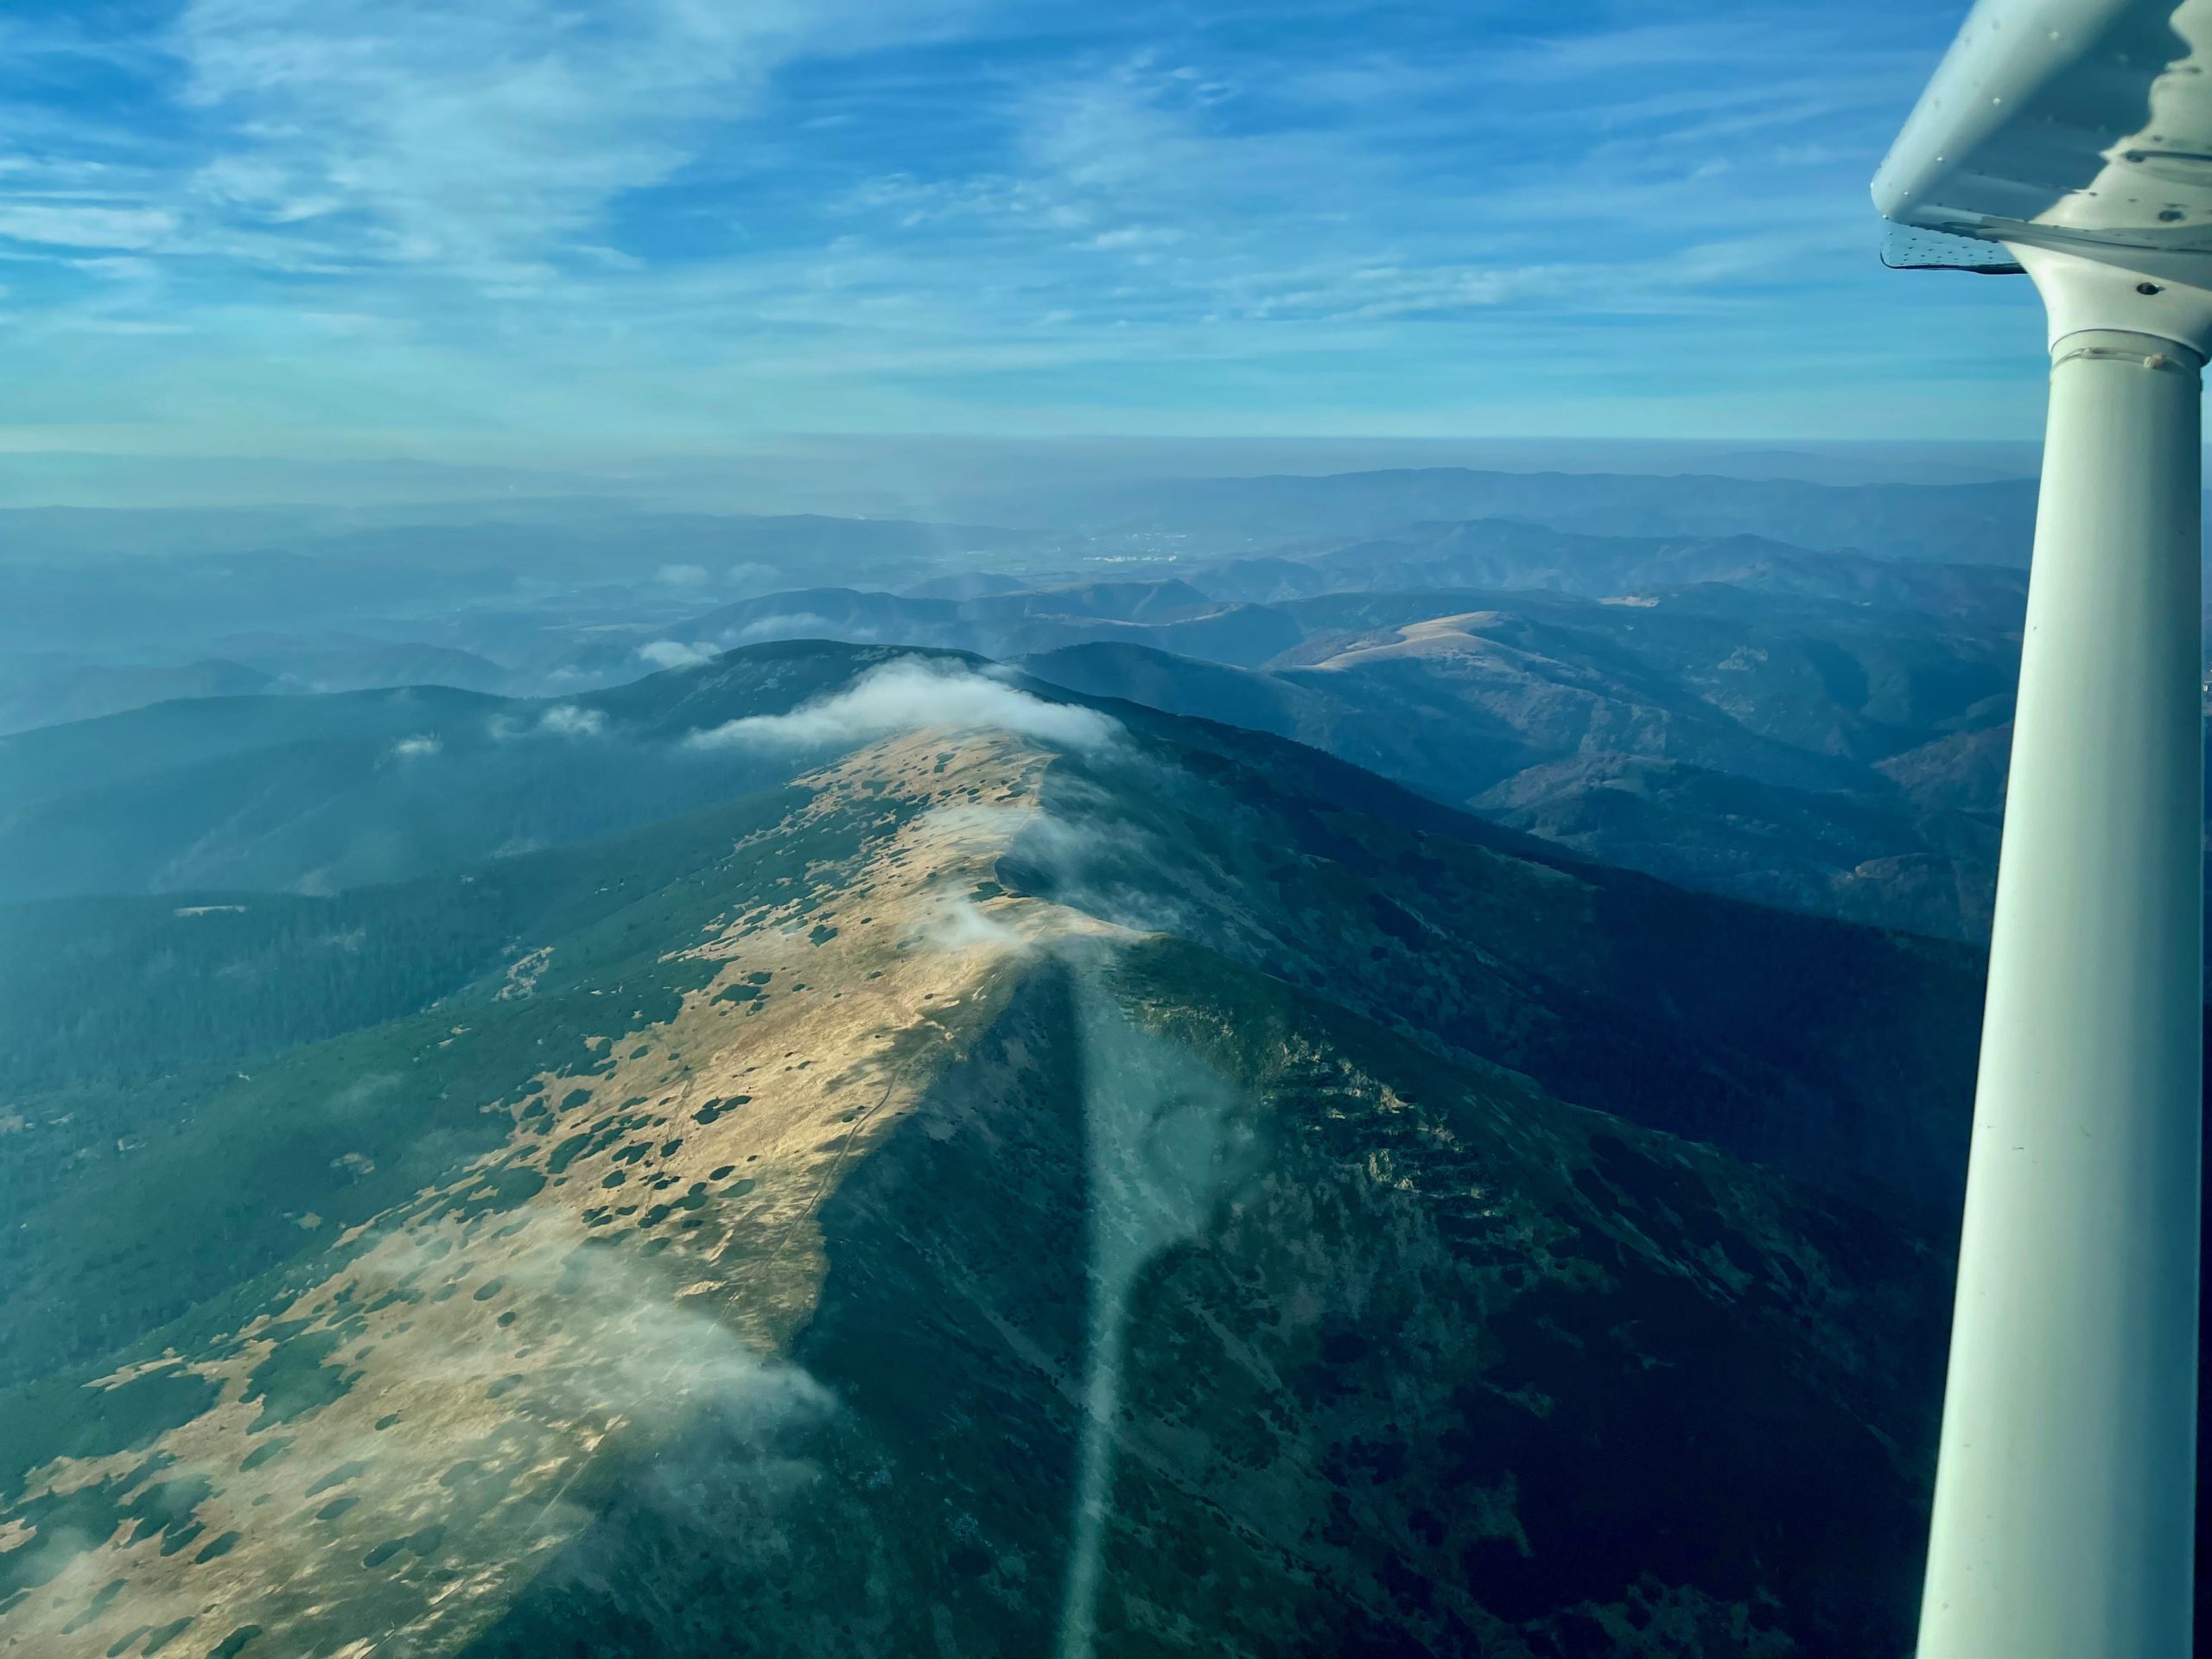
{"x":695,"y":1269}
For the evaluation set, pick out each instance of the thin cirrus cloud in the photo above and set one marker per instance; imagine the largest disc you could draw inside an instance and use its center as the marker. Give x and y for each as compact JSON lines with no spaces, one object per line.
{"x":654,"y":223}
{"x":76,"y":225}
{"x":473,"y":138}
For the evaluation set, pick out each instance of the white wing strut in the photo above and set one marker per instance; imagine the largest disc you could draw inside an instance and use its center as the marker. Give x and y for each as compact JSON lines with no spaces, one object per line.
{"x":2079,"y":134}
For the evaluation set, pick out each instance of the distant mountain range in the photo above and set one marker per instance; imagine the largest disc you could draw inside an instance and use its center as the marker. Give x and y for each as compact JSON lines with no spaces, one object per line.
{"x":919,"y":1161}
{"x":85,"y":691}
{"x":591,"y":537}
{"x":1857,"y":774}
{"x":268,"y":665}
{"x":1851,"y":762}
{"x":1954,"y":523}
{"x":83,"y":589}
{"x":1504,"y":554}
{"x":322,"y":793}
{"x":1842,"y":763}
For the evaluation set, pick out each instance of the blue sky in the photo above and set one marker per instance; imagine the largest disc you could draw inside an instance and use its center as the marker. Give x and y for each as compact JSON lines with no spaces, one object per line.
{"x":494,"y":228}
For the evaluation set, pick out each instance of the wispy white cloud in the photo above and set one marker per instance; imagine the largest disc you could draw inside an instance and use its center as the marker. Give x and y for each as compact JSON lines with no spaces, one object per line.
{"x":798,"y":625}
{"x":562,"y":720}
{"x":74,"y":226}
{"x":566,"y":720}
{"x":676,"y":653}
{"x":480,"y":138}
{"x":911,"y":696}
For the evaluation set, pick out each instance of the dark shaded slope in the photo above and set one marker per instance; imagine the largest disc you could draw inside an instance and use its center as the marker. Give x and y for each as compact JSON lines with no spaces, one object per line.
{"x":1421,"y":1363}
{"x":1839,"y":1053}
{"x":112,"y":989}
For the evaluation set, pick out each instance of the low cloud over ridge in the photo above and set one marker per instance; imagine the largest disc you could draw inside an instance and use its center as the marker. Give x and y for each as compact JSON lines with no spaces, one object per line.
{"x":909,"y":695}
{"x":675,"y":653}
{"x":562,"y":720}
